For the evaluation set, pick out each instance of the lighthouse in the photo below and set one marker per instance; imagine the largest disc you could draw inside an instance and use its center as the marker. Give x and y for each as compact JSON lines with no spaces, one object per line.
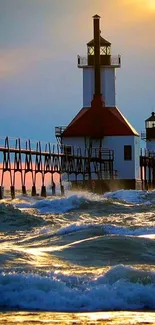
{"x":150,"y":132}
{"x":100,"y":124}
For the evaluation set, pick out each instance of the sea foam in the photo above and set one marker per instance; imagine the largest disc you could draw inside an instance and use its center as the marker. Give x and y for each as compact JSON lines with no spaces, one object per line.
{"x":121,"y":288}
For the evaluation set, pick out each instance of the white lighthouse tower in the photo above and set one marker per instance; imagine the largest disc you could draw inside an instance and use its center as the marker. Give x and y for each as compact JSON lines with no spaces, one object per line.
{"x":100,"y":124}
{"x":108,"y":65}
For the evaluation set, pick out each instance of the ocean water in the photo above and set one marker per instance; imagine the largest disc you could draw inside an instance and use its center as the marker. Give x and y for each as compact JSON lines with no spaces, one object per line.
{"x":79,"y":259}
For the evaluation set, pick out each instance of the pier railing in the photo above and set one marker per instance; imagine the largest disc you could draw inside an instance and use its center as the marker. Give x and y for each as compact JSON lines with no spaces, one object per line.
{"x":147,"y":153}
{"x":23,"y":146}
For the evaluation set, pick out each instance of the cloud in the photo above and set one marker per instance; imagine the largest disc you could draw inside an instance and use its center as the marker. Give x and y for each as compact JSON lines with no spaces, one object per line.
{"x":15,"y":61}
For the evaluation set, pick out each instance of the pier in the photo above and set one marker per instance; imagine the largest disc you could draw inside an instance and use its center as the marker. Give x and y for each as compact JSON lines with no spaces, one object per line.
{"x":26,"y":156}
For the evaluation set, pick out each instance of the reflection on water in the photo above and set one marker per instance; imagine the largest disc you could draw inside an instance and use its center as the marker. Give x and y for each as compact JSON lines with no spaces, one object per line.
{"x":106,"y":318}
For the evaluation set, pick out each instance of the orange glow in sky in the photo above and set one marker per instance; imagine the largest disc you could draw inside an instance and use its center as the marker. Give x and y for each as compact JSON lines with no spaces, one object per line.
{"x":151,"y":3}
{"x":18,"y":185}
{"x":141,"y":5}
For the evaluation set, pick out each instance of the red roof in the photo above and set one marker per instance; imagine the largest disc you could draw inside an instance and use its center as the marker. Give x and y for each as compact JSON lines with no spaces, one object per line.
{"x":98,"y":121}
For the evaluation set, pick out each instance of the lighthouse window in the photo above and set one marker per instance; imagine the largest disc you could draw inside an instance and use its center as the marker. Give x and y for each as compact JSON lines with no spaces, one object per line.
{"x":103,"y":50}
{"x":108,"y":50}
{"x":149,"y":124}
{"x":127,"y":152}
{"x":91,"y":50}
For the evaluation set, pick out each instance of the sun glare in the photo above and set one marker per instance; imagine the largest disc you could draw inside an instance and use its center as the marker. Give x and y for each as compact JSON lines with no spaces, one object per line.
{"x":151,"y":4}
{"x":142,"y":4}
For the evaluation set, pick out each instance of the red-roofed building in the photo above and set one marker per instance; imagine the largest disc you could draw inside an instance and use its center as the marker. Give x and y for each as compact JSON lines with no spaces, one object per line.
{"x":100,"y":124}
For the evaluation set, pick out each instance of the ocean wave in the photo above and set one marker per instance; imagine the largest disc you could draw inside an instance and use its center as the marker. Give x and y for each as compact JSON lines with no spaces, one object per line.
{"x":54,"y":205}
{"x":128,"y":196}
{"x":100,"y":250}
{"x":105,"y":228}
{"x":131,"y":231}
{"x":120,"y":288}
{"x":14,"y":219}
{"x":75,"y":227}
{"x":83,"y":200}
{"x":61,"y":204}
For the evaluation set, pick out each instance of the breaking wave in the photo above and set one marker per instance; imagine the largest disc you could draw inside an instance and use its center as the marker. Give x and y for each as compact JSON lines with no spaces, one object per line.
{"x":120,"y":288}
{"x":81,"y":200}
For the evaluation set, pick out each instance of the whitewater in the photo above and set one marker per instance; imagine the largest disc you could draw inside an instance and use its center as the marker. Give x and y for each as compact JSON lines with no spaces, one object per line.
{"x":83,"y":255}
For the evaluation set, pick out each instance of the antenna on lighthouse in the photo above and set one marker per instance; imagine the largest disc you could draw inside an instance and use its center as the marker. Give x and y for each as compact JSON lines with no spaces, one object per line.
{"x":97,"y":99}
{"x":97,"y":76}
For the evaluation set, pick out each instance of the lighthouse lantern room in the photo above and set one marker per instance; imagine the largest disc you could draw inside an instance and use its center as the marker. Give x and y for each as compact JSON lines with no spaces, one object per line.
{"x":99,"y":124}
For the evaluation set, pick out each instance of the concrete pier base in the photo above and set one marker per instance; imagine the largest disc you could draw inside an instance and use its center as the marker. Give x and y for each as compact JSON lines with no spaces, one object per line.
{"x":1,"y":192}
{"x":33,"y":192}
{"x":43,"y":191}
{"x":24,"y":190}
{"x":12,"y":191}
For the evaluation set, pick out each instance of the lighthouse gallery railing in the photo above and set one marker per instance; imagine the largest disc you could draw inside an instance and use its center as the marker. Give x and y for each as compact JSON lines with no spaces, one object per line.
{"x":115,"y":60}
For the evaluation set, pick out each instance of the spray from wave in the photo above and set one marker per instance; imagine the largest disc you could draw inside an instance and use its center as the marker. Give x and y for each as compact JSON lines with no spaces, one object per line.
{"x":81,"y":200}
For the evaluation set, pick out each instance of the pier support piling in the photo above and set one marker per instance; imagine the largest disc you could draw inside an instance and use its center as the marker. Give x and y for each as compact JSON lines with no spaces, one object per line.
{"x":12,"y":191}
{"x":62,"y":190}
{"x":33,"y":192}
{"x":24,"y":190}
{"x":1,"y":192}
{"x":53,"y":189}
{"x":43,"y":191}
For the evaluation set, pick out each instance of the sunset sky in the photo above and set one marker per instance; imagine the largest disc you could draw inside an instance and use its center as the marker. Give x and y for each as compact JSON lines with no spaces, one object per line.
{"x":40,"y":84}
